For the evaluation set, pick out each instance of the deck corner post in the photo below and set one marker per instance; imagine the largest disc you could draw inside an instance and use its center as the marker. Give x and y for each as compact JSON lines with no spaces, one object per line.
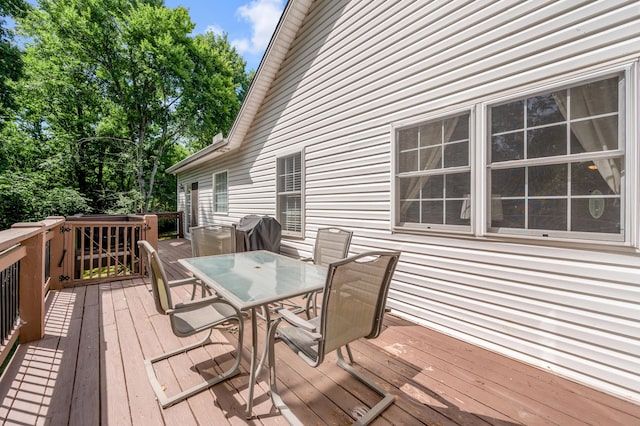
{"x":33,"y":288}
{"x":57,"y":256}
{"x":151,"y":232}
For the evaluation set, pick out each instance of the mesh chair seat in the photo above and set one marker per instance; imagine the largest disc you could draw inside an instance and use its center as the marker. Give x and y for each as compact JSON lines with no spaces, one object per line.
{"x":300,"y":341}
{"x":189,"y":322}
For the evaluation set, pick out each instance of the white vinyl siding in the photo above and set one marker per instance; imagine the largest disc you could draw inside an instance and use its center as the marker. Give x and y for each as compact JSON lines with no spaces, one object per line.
{"x":357,"y":68}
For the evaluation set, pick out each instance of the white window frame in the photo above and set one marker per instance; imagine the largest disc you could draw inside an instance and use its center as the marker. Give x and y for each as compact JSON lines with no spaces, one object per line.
{"x":479,"y":152}
{"x":625,"y":148}
{"x":396,"y":225}
{"x":301,"y":193}
{"x":216,"y":208}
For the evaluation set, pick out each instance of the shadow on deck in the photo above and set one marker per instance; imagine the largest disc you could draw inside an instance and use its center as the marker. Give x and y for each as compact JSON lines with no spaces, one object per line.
{"x":88,"y":370}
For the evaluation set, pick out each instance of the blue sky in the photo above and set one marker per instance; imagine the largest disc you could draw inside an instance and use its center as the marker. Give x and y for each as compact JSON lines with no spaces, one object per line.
{"x":248,"y":23}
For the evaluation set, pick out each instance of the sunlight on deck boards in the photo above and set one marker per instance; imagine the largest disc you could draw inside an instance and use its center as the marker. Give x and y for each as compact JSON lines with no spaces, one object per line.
{"x":89,"y":370}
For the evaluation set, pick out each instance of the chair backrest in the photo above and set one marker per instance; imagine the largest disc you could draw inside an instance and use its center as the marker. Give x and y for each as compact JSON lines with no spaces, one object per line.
{"x":354,"y":299}
{"x":158,"y":278}
{"x":213,"y":239}
{"x":332,"y":244}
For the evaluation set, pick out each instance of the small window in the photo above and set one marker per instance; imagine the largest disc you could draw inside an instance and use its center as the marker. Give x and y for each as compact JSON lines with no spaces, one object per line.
{"x":556,"y":162}
{"x":220,"y":193}
{"x":433,"y":174}
{"x":289,"y":194}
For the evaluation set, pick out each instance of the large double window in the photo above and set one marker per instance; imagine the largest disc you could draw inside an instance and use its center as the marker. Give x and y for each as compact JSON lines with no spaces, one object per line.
{"x":552,"y":164}
{"x":289,"y":194}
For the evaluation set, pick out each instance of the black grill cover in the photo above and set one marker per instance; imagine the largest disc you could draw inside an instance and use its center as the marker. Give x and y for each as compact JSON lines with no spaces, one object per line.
{"x":258,"y":233}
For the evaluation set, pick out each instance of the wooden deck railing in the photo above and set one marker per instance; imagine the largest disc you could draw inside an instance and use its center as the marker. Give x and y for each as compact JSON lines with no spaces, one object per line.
{"x":104,"y":248}
{"x":170,"y":224}
{"x":57,"y":252}
{"x":25,"y":271}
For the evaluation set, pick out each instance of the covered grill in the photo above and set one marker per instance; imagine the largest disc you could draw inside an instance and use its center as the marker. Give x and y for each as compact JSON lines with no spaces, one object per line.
{"x":258,"y":233}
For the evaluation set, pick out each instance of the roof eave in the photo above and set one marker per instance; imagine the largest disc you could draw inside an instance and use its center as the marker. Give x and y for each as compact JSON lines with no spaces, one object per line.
{"x":284,"y":34}
{"x":205,"y":154}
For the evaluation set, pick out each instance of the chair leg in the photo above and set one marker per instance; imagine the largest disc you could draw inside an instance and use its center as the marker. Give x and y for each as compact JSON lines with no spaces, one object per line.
{"x":311,"y":303}
{"x":278,"y":403}
{"x":163,"y":399}
{"x":376,"y":410}
{"x":349,"y":354}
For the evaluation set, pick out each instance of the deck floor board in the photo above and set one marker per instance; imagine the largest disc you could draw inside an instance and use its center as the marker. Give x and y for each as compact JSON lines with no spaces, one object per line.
{"x":89,"y":370}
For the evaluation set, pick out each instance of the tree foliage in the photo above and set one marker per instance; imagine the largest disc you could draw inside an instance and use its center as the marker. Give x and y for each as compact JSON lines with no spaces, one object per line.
{"x":28,"y":197}
{"x":112,"y":93}
{"x":10,"y":57}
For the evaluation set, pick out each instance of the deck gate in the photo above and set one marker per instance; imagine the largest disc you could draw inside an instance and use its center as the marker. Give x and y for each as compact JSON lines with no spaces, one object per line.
{"x":102,"y":249}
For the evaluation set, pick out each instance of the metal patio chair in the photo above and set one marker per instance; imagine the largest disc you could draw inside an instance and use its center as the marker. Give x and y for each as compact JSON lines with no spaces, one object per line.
{"x":332,"y":244}
{"x":187,"y":319}
{"x":353,"y":307}
{"x":145,"y":253}
{"x":209,"y":240}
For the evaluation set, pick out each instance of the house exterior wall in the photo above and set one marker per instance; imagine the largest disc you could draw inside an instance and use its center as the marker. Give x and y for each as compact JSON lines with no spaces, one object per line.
{"x":357,"y":69}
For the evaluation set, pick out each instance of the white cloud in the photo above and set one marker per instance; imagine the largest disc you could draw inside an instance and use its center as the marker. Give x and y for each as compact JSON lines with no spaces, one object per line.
{"x":263,"y":16}
{"x":214,"y":29}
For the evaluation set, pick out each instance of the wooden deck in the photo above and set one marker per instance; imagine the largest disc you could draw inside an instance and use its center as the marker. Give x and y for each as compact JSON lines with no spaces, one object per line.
{"x":88,"y":370}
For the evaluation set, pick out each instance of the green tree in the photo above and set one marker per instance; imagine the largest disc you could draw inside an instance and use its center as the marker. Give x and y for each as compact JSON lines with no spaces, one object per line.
{"x":215,"y":113}
{"x":29,"y":196}
{"x":114,"y":86}
{"x":10,"y":57}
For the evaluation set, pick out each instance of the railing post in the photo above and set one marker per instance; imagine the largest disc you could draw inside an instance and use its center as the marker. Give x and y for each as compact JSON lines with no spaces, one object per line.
{"x":32,"y":284}
{"x":57,"y":254}
{"x":151,"y":229}
{"x":180,"y":224}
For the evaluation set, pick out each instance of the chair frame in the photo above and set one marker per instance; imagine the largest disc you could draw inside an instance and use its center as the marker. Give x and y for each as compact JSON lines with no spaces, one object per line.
{"x":316,"y":330}
{"x":166,"y":307}
{"x":194,"y":246}
{"x":311,"y":301}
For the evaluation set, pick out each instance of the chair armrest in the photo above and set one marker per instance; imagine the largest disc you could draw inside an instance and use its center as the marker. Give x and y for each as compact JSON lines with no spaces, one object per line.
{"x":295,"y":320}
{"x":198,"y":303}
{"x":184,"y":281}
{"x":306,"y":259}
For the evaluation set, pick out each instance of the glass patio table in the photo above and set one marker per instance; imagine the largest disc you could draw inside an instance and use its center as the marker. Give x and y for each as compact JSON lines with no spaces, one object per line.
{"x":254,"y":280}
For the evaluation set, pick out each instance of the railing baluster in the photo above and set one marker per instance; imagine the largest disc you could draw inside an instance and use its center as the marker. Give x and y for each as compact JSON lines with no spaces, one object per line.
{"x":107,"y":230}
{"x":82,"y":254}
{"x":9,"y":281}
{"x":5,"y":302}
{"x":92,"y":251}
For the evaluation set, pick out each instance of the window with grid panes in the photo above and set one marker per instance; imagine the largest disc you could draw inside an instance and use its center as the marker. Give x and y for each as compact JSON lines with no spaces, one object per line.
{"x":220,"y":193}
{"x":433,"y":174}
{"x":556,"y":162}
{"x":289,"y":194}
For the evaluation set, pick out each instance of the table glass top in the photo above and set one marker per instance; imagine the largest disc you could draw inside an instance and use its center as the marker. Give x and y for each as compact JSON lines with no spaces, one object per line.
{"x":255,"y":278}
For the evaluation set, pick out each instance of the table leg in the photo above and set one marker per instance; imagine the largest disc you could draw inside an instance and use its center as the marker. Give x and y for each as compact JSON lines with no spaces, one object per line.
{"x":254,"y":356}
{"x":256,"y":369}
